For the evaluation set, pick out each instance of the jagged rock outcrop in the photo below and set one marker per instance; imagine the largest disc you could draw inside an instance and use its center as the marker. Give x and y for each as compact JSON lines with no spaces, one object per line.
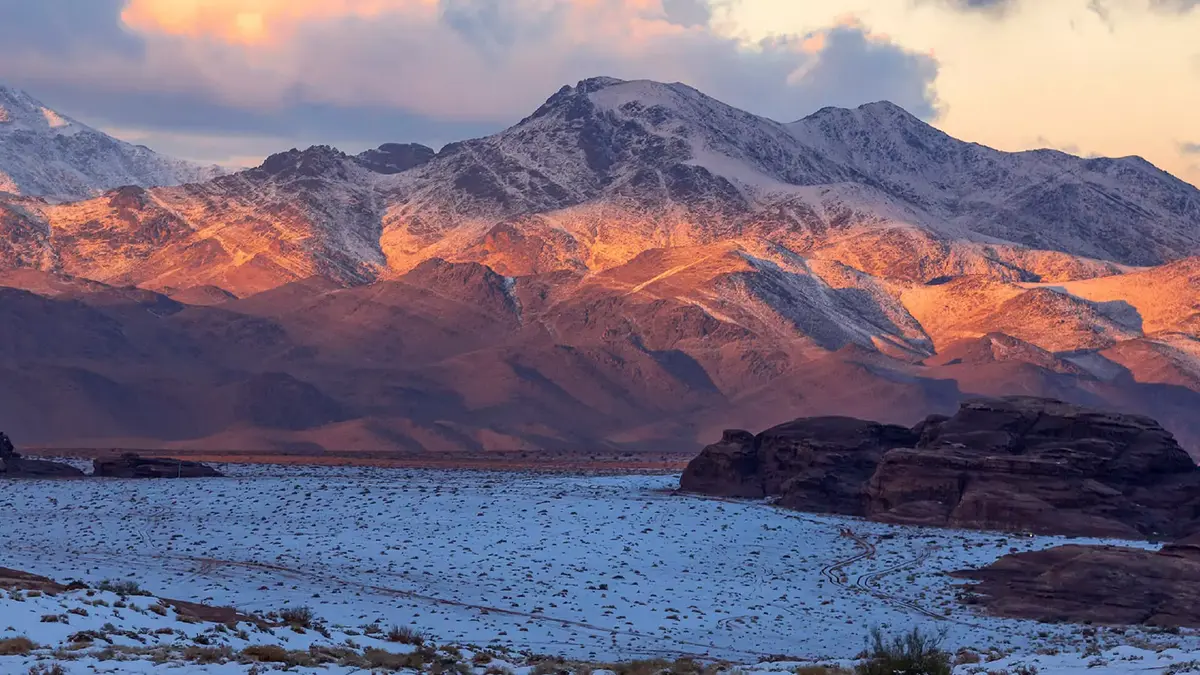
{"x":1043,"y":466}
{"x":13,"y":465}
{"x":1094,"y":584}
{"x":131,"y":465}
{"x":815,"y":464}
{"x":1014,"y":464}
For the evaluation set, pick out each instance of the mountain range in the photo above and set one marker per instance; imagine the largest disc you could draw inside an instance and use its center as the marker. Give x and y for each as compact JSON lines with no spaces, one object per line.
{"x":633,"y":266}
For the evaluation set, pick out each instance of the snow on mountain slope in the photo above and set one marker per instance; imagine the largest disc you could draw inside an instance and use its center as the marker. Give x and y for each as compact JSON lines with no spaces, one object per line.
{"x":1124,"y":210}
{"x":47,"y":154}
{"x":607,"y":168}
{"x":300,"y":214}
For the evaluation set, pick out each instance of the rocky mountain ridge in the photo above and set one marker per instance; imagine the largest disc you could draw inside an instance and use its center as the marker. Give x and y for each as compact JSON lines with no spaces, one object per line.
{"x":634,"y":264}
{"x":44,"y":153}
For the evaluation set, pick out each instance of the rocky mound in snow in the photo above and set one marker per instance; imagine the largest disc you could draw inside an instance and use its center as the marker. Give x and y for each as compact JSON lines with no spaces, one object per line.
{"x":1094,"y":585}
{"x":132,"y":465}
{"x":1043,"y":466}
{"x":1015,"y":464}
{"x":13,"y":465}
{"x":46,"y":154}
{"x":815,"y":464}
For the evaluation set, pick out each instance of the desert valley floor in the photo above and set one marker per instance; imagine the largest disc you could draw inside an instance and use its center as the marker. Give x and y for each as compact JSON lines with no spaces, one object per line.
{"x":602,"y":568}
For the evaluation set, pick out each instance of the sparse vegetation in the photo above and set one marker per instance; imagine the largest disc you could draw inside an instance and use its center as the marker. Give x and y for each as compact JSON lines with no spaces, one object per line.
{"x":405,"y":635}
{"x":18,"y":646}
{"x":266,"y":653}
{"x":914,"y":653}
{"x":123,"y":587}
{"x":379,"y":658}
{"x":297,"y":617}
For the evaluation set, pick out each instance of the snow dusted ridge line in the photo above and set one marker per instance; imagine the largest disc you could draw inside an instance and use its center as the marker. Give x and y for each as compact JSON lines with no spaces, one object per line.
{"x":590,"y":568}
{"x":44,"y":153}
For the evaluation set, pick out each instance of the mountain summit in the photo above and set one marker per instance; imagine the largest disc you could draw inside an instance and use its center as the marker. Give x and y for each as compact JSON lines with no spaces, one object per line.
{"x":47,"y":154}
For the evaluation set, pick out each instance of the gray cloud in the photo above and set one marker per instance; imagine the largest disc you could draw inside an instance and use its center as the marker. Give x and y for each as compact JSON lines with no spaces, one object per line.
{"x":70,"y":28}
{"x":482,"y":65}
{"x":1190,"y":148}
{"x":995,"y":7}
{"x":1175,"y":5}
{"x":688,"y":12}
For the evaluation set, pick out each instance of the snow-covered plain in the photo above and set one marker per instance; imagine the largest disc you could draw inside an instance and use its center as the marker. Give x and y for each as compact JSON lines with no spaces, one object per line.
{"x":586,"y":567}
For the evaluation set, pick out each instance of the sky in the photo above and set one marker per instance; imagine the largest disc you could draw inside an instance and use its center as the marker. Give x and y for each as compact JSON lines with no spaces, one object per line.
{"x":231,"y":81}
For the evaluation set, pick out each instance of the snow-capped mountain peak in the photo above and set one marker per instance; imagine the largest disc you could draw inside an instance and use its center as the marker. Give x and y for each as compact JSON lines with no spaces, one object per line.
{"x":48,"y":154}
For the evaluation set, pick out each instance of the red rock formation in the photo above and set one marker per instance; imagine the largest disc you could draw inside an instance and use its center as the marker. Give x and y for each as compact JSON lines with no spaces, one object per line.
{"x":1016,"y":464}
{"x":815,"y":464}
{"x":1038,"y":465}
{"x":1094,"y":584}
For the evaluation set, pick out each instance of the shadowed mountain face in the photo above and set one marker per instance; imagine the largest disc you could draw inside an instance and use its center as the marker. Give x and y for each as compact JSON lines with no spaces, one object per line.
{"x":634,"y":265}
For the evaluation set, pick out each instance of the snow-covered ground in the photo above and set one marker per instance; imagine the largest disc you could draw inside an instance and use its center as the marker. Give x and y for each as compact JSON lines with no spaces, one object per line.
{"x":590,"y":568}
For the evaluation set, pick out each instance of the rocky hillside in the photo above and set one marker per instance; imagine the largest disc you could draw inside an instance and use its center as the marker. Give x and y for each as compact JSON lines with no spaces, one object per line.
{"x":634,"y":265}
{"x":44,"y":153}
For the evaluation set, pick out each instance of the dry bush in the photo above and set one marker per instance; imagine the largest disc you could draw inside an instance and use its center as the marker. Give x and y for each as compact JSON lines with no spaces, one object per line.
{"x":379,"y":658}
{"x":405,"y":635}
{"x":18,"y":646}
{"x":266,"y":653}
{"x":913,"y":653}
{"x":207,"y":655}
{"x":297,"y":617}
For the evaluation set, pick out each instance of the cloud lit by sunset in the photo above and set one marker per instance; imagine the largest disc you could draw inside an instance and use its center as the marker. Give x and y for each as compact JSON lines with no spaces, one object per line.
{"x":1106,"y":77}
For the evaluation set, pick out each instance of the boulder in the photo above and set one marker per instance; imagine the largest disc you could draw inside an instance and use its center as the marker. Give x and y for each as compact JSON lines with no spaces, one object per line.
{"x":1096,"y":584}
{"x":815,"y":464}
{"x":1041,"y":466}
{"x":13,"y":465}
{"x":131,"y":465}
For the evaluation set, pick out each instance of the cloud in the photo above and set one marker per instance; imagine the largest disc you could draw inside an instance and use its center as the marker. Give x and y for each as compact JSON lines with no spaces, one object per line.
{"x":381,"y":70}
{"x":1179,"y":6}
{"x":995,"y":7}
{"x":688,"y":12}
{"x":1190,"y":148}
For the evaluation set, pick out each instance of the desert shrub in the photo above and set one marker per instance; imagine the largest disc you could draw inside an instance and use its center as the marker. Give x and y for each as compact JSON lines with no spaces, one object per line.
{"x":405,"y":635}
{"x":966,"y":657}
{"x":913,"y":653}
{"x":297,"y":617}
{"x":266,"y":653}
{"x":207,"y":655}
{"x":18,"y":646}
{"x":121,"y":587}
{"x":379,"y":658}
{"x":642,"y":667}
{"x":47,"y":669}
